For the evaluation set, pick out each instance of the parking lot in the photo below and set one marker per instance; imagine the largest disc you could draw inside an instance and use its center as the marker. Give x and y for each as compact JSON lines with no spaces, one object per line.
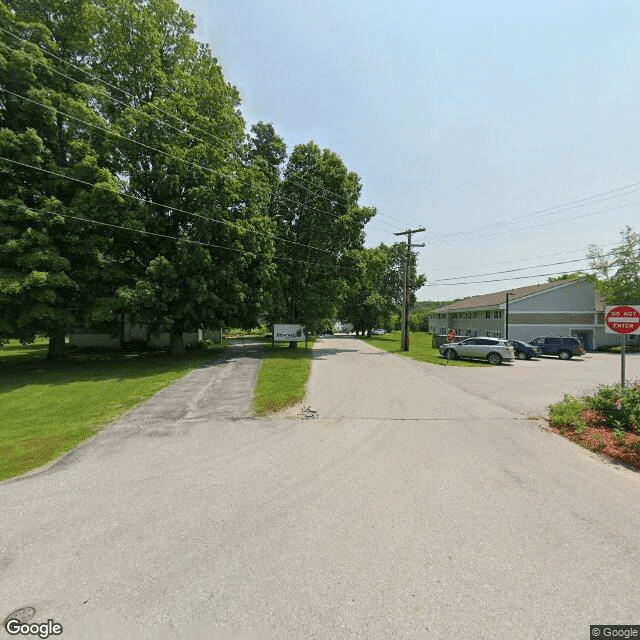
{"x":529,"y":386}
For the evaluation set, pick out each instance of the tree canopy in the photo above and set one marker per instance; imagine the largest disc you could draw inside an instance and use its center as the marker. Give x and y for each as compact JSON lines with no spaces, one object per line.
{"x":130,"y":184}
{"x":619,"y":269}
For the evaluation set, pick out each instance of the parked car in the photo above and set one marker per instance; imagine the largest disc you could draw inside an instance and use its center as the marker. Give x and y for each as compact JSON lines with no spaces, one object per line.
{"x":493,"y":350}
{"x":563,"y":347}
{"x":378,"y":332}
{"x":524,"y":350}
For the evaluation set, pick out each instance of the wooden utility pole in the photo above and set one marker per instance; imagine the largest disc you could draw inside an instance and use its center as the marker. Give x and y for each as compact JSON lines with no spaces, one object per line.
{"x":406,"y":302}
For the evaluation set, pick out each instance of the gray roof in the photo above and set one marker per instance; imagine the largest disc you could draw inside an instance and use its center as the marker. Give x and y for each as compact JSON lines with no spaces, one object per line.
{"x":495,"y":299}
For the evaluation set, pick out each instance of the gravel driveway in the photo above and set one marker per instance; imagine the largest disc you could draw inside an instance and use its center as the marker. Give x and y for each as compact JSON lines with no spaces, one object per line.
{"x":413,"y":507}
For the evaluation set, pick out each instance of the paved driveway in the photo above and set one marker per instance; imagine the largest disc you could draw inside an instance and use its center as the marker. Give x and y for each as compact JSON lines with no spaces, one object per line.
{"x":411,"y":508}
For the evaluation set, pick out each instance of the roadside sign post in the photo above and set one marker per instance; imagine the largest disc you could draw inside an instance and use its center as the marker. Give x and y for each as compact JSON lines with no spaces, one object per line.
{"x":291,"y":333}
{"x":624,"y":320}
{"x":451,"y":336}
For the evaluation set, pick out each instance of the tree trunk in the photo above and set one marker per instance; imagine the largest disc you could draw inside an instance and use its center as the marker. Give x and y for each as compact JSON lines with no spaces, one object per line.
{"x":176,"y":341}
{"x":121,"y":332}
{"x":56,"y":345}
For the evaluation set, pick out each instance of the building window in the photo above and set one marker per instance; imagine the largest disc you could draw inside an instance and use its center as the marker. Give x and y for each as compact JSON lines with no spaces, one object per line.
{"x":487,"y":315}
{"x":497,"y":313}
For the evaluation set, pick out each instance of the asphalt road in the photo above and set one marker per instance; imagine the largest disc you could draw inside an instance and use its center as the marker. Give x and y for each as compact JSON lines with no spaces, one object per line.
{"x":417,"y":505}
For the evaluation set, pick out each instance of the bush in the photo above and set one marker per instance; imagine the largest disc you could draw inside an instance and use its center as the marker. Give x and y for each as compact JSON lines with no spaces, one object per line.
{"x":568,"y":413}
{"x":621,"y":407}
{"x":202,"y":345}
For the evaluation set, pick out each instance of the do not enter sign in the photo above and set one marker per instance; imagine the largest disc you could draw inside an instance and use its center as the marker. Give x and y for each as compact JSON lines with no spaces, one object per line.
{"x":622,"y":319}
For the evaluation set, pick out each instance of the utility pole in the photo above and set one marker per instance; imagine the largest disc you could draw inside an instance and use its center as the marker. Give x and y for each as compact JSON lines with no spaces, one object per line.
{"x":406,"y":303}
{"x":506,"y":314}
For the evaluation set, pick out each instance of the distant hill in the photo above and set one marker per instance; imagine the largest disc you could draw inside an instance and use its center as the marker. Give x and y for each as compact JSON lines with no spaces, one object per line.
{"x":430,"y":305}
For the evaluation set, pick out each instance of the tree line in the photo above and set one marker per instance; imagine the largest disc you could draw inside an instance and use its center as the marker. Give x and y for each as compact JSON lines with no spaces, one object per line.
{"x":130,"y":183}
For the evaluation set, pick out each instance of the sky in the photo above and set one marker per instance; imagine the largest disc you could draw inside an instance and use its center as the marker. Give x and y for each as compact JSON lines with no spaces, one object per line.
{"x":458,"y":117}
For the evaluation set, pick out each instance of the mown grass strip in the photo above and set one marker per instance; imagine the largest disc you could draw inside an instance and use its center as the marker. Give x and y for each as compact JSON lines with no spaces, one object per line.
{"x":419,"y":349}
{"x":47,"y":408}
{"x":282,"y":379}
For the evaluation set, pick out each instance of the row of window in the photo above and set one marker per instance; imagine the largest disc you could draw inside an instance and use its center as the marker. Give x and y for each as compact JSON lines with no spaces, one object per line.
{"x":468,"y":333}
{"x":471,"y":315}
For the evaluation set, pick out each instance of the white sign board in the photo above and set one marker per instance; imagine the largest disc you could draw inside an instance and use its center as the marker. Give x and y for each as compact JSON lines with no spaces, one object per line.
{"x":288,"y":333}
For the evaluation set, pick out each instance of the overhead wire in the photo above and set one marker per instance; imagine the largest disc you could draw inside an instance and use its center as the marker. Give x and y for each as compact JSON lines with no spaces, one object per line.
{"x":491,"y":273}
{"x":253,"y":254}
{"x":164,"y":206}
{"x":490,"y":264}
{"x":537,"y":275}
{"x":152,"y":104}
{"x":537,"y":226}
{"x":550,"y":211}
{"x":146,"y":146}
{"x":331,"y":268}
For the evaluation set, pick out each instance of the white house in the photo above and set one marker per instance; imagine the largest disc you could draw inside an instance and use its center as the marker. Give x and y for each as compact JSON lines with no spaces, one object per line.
{"x":112,"y":337}
{"x":561,"y":308}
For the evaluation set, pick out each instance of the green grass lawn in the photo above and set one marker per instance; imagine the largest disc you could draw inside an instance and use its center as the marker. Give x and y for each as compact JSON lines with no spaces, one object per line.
{"x":47,"y":408}
{"x":419,"y":349}
{"x":282,"y":379}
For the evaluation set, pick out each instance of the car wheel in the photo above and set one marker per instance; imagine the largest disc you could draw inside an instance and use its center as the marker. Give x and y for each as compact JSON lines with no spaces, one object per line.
{"x":494,"y":358}
{"x":451,"y":354}
{"x":564,"y":355}
{"x":521,"y":355}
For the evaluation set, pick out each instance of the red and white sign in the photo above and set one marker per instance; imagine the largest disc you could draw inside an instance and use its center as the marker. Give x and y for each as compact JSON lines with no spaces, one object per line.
{"x":622,"y":319}
{"x":451,"y":335}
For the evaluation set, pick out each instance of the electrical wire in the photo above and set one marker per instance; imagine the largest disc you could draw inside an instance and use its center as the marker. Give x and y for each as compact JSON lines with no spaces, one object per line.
{"x":146,"y":146}
{"x":492,"y":273}
{"x":252,"y":254}
{"x":165,"y":206}
{"x":275,"y":194}
{"x":153,"y":105}
{"x":537,"y":275}
{"x":550,"y":211}
{"x":490,"y":264}
{"x":544,"y":224}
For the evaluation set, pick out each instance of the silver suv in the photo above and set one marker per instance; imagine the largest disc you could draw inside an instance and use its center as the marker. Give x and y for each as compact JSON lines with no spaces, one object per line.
{"x":493,"y":350}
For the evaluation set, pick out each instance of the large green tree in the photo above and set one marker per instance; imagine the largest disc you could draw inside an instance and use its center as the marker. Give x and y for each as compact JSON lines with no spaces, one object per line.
{"x":183,"y":156}
{"x":375,"y":286}
{"x":319,"y":222}
{"x":619,"y":269}
{"x":56,"y":176}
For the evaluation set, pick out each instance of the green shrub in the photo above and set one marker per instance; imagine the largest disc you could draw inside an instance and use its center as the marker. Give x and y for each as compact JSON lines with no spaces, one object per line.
{"x":600,"y":443}
{"x":568,"y":413}
{"x":621,"y":407}
{"x":620,"y":436}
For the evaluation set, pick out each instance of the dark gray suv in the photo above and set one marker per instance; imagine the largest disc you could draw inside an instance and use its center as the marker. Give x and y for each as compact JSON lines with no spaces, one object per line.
{"x":563,"y":347}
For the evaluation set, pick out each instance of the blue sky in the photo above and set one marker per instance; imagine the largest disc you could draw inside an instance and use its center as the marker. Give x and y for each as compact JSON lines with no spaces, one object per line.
{"x":456,"y":116}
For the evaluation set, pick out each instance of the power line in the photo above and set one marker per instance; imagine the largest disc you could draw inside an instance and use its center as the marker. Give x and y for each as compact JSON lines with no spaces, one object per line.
{"x":490,"y":264}
{"x":537,"y":275}
{"x":152,"y":104}
{"x":169,"y":155}
{"x":550,"y":211}
{"x":185,"y":238}
{"x":165,"y":206}
{"x":213,"y":171}
{"x":492,"y":273}
{"x":537,"y":226}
